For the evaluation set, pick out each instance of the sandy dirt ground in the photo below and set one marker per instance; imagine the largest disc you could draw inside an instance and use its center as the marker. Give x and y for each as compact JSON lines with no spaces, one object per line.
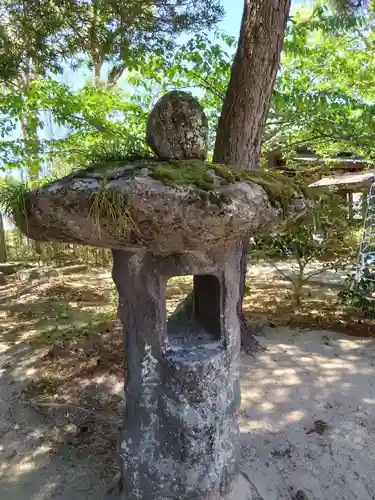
{"x":29,"y":467}
{"x":307,"y":423}
{"x":307,"y":416}
{"x":265,"y":271}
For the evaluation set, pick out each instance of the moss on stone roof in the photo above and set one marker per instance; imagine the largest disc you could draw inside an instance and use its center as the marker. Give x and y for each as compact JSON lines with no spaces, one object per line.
{"x":208,"y":176}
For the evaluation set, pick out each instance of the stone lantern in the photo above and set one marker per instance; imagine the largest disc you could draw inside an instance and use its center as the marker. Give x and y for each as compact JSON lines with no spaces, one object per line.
{"x":164,"y":216}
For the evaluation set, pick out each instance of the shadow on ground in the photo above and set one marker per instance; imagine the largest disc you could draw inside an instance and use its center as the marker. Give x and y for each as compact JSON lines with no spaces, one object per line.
{"x":307,"y":416}
{"x":61,"y":371}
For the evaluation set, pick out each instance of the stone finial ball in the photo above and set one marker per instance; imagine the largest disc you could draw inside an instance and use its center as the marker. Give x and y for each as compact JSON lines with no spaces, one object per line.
{"x":178,"y":128}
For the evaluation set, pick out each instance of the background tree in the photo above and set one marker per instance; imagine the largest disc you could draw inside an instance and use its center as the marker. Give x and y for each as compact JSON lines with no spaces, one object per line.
{"x":36,"y":40}
{"x":316,"y":239}
{"x":3,"y":250}
{"x":347,"y":6}
{"x":39,"y":40}
{"x":244,"y":112}
{"x":324,"y":94}
{"x":113,"y":36}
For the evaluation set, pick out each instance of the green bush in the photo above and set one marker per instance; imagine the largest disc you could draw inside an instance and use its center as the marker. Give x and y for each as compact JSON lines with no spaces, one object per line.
{"x":321,"y":236}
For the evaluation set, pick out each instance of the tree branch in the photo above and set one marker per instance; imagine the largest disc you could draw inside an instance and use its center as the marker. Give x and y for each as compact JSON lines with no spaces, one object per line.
{"x":281,"y":272}
{"x":318,"y":271}
{"x":209,"y":86}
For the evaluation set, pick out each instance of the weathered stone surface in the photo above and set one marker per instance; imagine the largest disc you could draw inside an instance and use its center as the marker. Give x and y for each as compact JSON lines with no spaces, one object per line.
{"x":178,"y":128}
{"x":180,"y":436}
{"x":241,"y":490}
{"x":132,"y":210}
{"x":2,"y":279}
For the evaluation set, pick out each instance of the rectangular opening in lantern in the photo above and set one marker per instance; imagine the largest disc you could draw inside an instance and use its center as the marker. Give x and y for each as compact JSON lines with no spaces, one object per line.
{"x":193,"y":310}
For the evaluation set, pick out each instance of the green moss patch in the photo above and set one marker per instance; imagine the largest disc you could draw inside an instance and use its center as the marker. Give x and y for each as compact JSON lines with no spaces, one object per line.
{"x":206,"y":177}
{"x":279,"y":188}
{"x":185,"y":173}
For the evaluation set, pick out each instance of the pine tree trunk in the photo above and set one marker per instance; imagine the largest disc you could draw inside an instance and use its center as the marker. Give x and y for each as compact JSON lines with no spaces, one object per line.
{"x":3,"y":250}
{"x":246,"y":103}
{"x":254,"y":69}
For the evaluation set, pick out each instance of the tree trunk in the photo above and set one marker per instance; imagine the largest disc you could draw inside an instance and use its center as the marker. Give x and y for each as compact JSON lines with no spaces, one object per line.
{"x":246,"y":103}
{"x":29,"y":135}
{"x":254,"y":69}
{"x":3,"y":250}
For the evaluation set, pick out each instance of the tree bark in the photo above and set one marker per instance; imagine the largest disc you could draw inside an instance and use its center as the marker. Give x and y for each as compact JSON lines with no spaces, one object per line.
{"x":254,"y":69}
{"x":3,"y":250}
{"x":241,"y":123}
